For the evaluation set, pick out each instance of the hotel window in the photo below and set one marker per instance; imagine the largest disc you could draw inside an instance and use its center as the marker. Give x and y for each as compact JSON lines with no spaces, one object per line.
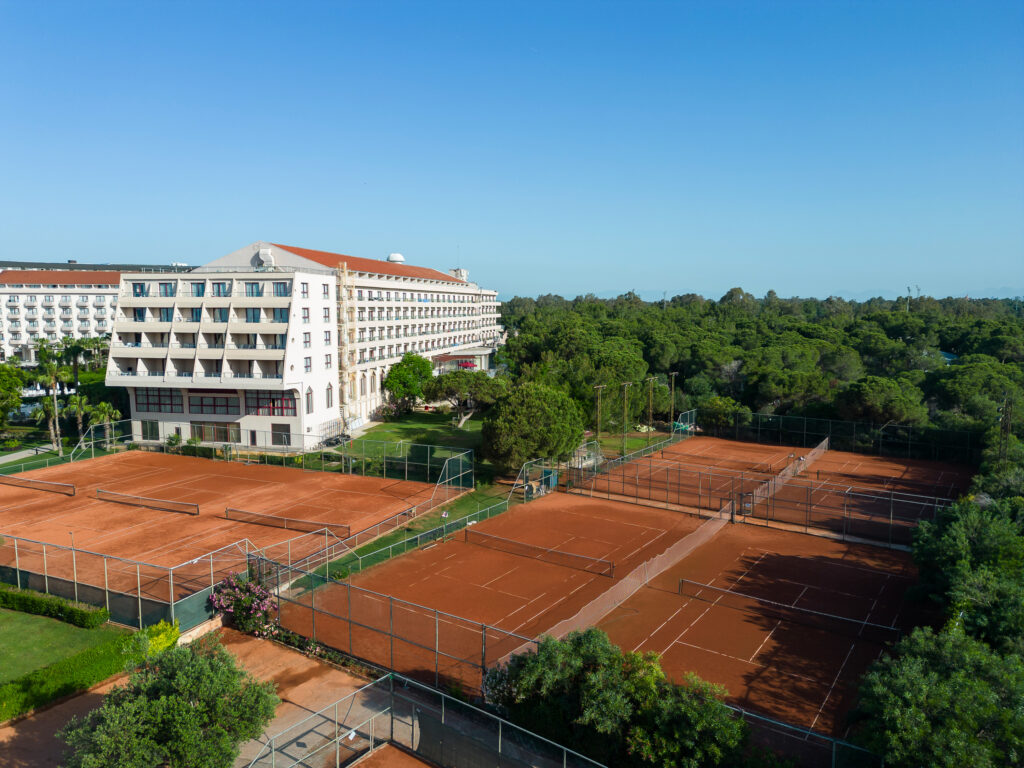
{"x":225,"y":406}
{"x":215,"y":432}
{"x":198,"y":289}
{"x":305,"y":314}
{"x":304,"y":290}
{"x":327,"y":361}
{"x":306,"y":340}
{"x":280,"y":315}
{"x":149,"y":400}
{"x":221,"y":289}
{"x":166,"y":314}
{"x":280,"y":434}
{"x":140,"y":289}
{"x":327,"y":314}
{"x":329,"y":396}
{"x":252,"y":315}
{"x":282,"y":289}
{"x":269,"y":403}
{"x":309,"y":400}
{"x":195,"y":314}
{"x":140,"y":315}
{"x":166,"y":289}
{"x":150,"y":430}
{"x":254,"y":289}
{"x":220,"y":314}
{"x":327,"y":291}
{"x":359,"y":295}
{"x":327,"y":338}
{"x":307,"y":364}
{"x":362,"y":386}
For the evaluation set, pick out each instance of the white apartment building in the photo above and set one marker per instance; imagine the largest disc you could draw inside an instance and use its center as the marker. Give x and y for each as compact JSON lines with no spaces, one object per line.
{"x":280,"y":346}
{"x":53,"y":305}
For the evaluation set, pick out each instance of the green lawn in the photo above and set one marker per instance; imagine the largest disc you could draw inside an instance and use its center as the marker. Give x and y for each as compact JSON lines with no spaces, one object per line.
{"x":38,"y":461}
{"x":29,"y":642}
{"x":429,"y":428}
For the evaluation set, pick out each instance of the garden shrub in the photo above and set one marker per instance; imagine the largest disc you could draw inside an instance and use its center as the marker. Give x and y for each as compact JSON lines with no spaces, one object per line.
{"x":28,"y":601}
{"x":246,"y":605}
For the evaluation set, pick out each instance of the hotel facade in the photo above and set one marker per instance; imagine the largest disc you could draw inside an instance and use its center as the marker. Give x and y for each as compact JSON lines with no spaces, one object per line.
{"x":280,"y":347}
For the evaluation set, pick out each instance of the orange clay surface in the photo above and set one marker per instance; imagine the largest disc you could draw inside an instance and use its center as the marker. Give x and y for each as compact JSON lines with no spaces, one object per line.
{"x":793,"y":670}
{"x":165,"y":538}
{"x":389,"y":756}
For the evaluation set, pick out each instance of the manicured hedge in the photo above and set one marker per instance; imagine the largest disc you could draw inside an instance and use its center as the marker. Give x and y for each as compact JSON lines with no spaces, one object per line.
{"x":83,"y":670}
{"x":27,"y":601}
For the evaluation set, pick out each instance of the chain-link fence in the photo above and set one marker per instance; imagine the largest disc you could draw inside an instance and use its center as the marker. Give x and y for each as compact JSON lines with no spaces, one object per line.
{"x":896,"y":440}
{"x":428,"y":723}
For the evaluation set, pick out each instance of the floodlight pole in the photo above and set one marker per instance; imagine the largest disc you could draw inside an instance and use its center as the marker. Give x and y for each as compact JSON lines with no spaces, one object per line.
{"x":672,"y":402}
{"x":599,"y":387}
{"x":650,"y":407}
{"x":625,"y":385}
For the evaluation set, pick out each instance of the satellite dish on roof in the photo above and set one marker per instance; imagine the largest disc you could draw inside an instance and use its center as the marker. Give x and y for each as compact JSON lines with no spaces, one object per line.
{"x":396,"y":258}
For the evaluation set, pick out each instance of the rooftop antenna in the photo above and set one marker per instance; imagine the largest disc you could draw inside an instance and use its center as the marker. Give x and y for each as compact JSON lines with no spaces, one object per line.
{"x":909,"y":292}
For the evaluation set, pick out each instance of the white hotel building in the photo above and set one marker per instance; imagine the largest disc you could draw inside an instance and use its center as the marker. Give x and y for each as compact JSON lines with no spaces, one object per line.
{"x":53,"y":304}
{"x":280,"y":346}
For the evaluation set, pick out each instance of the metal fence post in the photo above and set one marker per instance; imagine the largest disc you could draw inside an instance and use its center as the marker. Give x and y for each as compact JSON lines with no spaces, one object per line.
{"x":106,"y":584}
{"x":17,"y":564}
{"x":138,"y":591}
{"x":170,"y":590}
{"x":437,"y":649}
{"x":349,"y":616}
{"x":46,"y":574}
{"x":212,"y":582}
{"x":391,"y":629}
{"x":74,"y":571}
{"x":312,"y":606}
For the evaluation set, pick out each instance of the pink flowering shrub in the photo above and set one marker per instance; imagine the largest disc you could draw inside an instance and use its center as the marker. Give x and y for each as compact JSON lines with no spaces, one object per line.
{"x":246,"y":605}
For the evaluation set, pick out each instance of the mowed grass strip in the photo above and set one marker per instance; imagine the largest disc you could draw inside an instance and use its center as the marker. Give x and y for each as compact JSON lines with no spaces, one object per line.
{"x":30,"y":642}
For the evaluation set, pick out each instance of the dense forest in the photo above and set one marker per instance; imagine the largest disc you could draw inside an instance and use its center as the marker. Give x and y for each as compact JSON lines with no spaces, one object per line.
{"x":946,"y":363}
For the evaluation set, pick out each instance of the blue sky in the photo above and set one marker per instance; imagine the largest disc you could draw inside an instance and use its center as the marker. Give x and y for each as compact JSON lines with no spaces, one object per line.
{"x":813,"y":148}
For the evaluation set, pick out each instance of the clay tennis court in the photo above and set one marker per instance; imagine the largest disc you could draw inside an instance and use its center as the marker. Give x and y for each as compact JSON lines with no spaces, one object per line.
{"x":800,"y":668}
{"x":843,"y":494}
{"x":477,"y":601}
{"x":168,"y":538}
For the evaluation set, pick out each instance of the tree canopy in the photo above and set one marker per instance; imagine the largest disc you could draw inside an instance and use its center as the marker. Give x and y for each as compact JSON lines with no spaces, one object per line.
{"x":531,"y":421}
{"x":406,"y":380}
{"x":189,"y":707}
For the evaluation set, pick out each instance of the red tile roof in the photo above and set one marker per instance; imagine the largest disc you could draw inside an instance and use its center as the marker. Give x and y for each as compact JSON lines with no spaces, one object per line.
{"x":376,"y":266}
{"x":58,"y":277}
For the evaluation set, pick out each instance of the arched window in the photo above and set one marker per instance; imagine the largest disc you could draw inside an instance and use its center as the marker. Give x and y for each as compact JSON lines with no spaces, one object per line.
{"x":373,"y":382}
{"x":330,"y":396}
{"x":362,"y":385}
{"x":309,"y":400}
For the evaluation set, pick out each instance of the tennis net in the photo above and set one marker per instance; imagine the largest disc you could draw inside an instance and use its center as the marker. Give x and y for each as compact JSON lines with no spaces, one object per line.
{"x":290,"y":523}
{"x":166,"y":505}
{"x":727,"y":598}
{"x":554,"y":556}
{"x":40,"y":485}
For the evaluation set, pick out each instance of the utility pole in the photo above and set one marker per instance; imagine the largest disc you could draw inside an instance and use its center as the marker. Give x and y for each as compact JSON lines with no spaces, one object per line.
{"x":625,"y":386}
{"x":599,"y":387}
{"x":672,"y":403}
{"x":650,"y":407}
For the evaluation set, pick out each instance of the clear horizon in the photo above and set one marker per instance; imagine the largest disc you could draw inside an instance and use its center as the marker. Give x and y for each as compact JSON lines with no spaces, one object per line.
{"x":848,"y":149}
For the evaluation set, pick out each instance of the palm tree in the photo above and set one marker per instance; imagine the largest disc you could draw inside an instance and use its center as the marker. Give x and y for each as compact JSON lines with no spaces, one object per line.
{"x":44,"y":412}
{"x":104,"y":413}
{"x":51,"y":376}
{"x":44,"y":351}
{"x":77,"y":404}
{"x":72,"y":351}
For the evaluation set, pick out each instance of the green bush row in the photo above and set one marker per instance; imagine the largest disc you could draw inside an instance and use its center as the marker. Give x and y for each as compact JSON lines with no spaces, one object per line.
{"x":28,"y":601}
{"x":83,"y":670}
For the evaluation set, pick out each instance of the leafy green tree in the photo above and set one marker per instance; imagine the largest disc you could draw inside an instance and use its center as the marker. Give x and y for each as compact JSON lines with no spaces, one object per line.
{"x":945,"y":700}
{"x":465,"y":391}
{"x":531,"y":421}
{"x":718,"y":412}
{"x":11,"y":384}
{"x":189,"y":707}
{"x":615,"y":707}
{"x":45,"y":412}
{"x":406,"y":380}
{"x":882,"y":401}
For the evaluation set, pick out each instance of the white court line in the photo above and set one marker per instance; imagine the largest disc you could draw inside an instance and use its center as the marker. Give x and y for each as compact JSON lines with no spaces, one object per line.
{"x":834,"y":681}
